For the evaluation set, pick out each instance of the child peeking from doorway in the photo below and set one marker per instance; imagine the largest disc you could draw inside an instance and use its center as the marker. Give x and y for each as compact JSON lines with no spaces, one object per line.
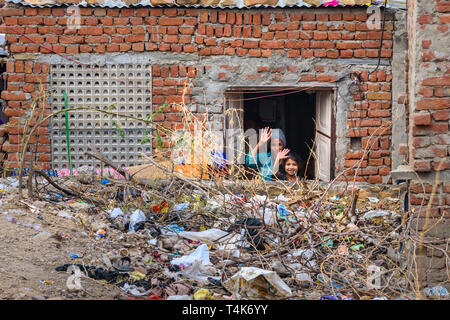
{"x":291,"y":166}
{"x":267,"y":162}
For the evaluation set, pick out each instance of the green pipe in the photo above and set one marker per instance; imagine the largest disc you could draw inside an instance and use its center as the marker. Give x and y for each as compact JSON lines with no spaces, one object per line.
{"x":67,"y":132}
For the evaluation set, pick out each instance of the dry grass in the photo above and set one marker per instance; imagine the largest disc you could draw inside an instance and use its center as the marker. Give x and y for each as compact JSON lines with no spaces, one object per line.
{"x":309,"y":231}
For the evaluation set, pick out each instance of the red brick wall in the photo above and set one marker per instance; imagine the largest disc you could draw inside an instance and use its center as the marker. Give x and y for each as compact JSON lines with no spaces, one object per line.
{"x":429,"y":138}
{"x":261,"y":33}
{"x":430,"y":117}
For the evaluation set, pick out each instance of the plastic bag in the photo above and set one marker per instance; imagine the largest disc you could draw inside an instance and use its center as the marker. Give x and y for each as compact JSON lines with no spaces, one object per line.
{"x":375,"y":214}
{"x":114,"y":213}
{"x":65,"y":214}
{"x":439,"y":291}
{"x":200,"y":254}
{"x":255,"y":283}
{"x":136,"y":217}
{"x":181,"y":206}
{"x":206,"y":236}
{"x":307,"y":254}
{"x":178,"y":297}
{"x":196,"y":265}
{"x":303,"y":276}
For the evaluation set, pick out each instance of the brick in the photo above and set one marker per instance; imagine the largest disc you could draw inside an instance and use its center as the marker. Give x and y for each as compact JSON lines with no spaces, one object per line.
{"x":375,"y":162}
{"x":254,"y":52}
{"x":9,"y":12}
{"x":433,"y":104}
{"x":101,"y":48}
{"x":322,"y":44}
{"x":125,"y":47}
{"x":136,"y":21}
{"x":251,"y":44}
{"x":113,"y":47}
{"x":437,"y":81}
{"x":138,"y":30}
{"x":94,"y":31}
{"x":142,"y":12}
{"x":100,"y":12}
{"x":355,"y":163}
{"x":424,"y":19}
{"x":170,"y":21}
{"x":135,"y":38}
{"x":379,"y":113}
{"x":375,"y":179}
{"x":272,"y":44}
{"x":12,"y":96}
{"x":422,"y":165}
{"x":378,"y":96}
{"x":422,"y":118}
{"x":72,"y":49}
{"x":427,"y":92}
{"x":85,"y":48}
{"x":441,"y":115}
{"x":122,"y":21}
{"x":70,"y":39}
{"x":30,"y":21}
{"x":123,"y":30}
{"x":97,"y":39}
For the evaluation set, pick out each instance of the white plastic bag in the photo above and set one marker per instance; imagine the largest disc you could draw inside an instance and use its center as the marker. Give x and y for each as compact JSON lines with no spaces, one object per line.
{"x":196,"y":265}
{"x":136,"y":217}
{"x":206,"y":236}
{"x":65,"y":214}
{"x":255,"y":283}
{"x":179,"y":297}
{"x":380,"y":213}
{"x":114,"y":213}
{"x":201,"y":254}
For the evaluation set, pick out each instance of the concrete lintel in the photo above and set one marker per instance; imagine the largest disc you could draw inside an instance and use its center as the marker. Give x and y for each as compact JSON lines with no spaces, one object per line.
{"x":403,"y":172}
{"x":399,"y":119}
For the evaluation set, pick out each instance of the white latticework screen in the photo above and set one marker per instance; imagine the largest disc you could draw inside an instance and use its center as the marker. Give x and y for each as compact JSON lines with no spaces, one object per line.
{"x":124,"y":89}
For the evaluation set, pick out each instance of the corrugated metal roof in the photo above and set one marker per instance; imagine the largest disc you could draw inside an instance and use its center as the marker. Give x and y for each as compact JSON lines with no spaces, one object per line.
{"x":212,"y":3}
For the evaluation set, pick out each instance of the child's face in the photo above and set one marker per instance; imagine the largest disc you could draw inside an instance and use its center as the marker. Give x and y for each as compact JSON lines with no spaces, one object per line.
{"x":291,"y":167}
{"x":276,"y":144}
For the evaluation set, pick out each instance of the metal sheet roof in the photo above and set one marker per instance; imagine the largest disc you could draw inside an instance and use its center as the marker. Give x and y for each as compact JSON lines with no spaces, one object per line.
{"x":241,"y":4}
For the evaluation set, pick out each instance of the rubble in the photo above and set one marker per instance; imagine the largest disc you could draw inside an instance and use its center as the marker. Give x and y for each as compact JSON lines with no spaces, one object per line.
{"x":176,"y":240}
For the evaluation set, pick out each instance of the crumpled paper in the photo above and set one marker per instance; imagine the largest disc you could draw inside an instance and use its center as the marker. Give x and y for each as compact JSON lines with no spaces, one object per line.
{"x":255,"y":283}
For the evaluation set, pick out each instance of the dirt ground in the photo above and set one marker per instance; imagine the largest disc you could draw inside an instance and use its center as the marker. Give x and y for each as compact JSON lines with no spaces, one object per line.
{"x":28,"y":257}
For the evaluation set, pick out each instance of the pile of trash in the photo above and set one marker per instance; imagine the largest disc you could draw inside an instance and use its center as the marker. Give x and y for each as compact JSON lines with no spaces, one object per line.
{"x":183,"y":239}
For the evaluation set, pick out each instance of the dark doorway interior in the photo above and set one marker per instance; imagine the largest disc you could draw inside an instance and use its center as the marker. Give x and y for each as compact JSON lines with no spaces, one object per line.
{"x":3,"y":118}
{"x":290,"y":110}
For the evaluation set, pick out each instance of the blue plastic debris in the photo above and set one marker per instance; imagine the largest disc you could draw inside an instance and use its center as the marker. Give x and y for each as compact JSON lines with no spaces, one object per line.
{"x":341,"y":297}
{"x":326,"y":280}
{"x":285,"y":213}
{"x":439,"y":291}
{"x":181,"y":206}
{"x":105,"y":181}
{"x":73,"y":255}
{"x":26,"y":171}
{"x":219,"y":160}
{"x":329,"y":298}
{"x":174,"y":228}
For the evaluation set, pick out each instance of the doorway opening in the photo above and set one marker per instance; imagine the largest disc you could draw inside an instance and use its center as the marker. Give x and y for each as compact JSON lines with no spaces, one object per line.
{"x":3,"y":118}
{"x":305,"y":117}
{"x":293,"y":113}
